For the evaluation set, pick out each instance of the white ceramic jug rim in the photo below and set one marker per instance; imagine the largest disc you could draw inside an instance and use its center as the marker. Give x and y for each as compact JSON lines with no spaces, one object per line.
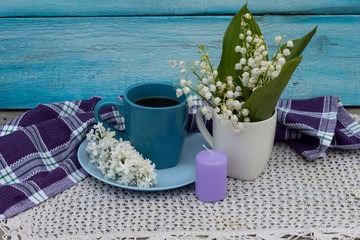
{"x":255,"y":123}
{"x":209,"y":137}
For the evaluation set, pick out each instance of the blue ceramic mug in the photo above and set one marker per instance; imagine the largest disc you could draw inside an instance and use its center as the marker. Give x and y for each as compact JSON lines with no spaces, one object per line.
{"x":155,"y":121}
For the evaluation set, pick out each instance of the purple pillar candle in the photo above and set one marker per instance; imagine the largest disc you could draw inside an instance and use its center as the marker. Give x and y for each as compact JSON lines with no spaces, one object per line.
{"x":211,"y":171}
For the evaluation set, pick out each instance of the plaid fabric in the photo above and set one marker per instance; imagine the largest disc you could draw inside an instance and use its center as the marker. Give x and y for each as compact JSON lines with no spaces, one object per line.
{"x":192,"y":115}
{"x":38,"y":152}
{"x":312,"y":126}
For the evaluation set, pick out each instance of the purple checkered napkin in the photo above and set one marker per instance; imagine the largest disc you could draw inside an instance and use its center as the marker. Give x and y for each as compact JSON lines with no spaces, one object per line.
{"x":38,"y":152}
{"x":312,"y":126}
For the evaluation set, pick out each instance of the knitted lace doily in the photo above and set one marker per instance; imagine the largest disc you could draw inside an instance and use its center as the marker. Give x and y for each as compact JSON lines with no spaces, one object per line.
{"x":293,"y":197}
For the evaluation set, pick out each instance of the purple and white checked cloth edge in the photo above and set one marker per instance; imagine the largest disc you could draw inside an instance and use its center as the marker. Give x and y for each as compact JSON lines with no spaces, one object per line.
{"x":38,"y":148}
{"x":313,"y":125}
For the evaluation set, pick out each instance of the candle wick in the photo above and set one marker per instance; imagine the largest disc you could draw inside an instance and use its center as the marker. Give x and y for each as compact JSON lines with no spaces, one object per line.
{"x":206,"y":148}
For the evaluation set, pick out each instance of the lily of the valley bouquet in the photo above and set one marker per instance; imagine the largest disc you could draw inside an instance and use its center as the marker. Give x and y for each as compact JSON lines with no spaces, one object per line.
{"x":248,"y":81}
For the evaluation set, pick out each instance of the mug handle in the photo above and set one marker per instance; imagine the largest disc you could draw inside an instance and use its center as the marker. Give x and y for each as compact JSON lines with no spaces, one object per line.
{"x":118,"y":104}
{"x":203,"y":130}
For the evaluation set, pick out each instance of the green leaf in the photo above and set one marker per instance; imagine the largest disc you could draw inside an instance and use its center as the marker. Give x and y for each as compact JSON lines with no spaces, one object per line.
{"x":299,"y":45}
{"x":231,"y":39}
{"x":262,"y":101}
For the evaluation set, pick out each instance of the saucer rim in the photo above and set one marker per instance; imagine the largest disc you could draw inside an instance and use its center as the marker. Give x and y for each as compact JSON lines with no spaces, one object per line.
{"x":82,"y":156}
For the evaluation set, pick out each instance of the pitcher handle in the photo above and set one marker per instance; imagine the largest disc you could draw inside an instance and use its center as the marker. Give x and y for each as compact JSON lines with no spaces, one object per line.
{"x":203,"y":130}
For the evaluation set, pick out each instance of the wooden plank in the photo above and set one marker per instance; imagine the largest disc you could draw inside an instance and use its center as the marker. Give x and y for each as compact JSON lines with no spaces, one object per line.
{"x":44,"y":60}
{"x":9,"y":8}
{"x":7,"y":115}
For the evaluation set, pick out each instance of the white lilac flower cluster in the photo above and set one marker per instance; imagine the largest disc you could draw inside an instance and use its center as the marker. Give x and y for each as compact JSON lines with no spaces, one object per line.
{"x":227,"y":96}
{"x":117,"y":159}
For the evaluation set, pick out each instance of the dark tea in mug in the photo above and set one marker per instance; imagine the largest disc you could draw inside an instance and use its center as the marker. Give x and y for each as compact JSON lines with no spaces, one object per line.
{"x":156,"y":102}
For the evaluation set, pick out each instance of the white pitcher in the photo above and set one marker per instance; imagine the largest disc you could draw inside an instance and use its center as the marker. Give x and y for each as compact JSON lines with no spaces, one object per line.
{"x":248,"y":152}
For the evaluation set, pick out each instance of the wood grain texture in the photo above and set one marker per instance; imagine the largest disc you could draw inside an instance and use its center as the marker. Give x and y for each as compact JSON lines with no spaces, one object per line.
{"x":9,"y":8}
{"x":7,"y":115}
{"x":45,"y":60}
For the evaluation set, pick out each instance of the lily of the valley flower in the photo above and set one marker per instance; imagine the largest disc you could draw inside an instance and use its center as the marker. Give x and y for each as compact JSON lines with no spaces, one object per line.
{"x":251,"y":68}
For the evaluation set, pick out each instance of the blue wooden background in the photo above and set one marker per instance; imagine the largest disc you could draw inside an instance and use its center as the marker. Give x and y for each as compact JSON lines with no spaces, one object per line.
{"x":57,"y":50}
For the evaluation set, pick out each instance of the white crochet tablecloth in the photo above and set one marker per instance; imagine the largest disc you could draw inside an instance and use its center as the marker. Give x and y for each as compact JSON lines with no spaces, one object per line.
{"x":293,"y":197}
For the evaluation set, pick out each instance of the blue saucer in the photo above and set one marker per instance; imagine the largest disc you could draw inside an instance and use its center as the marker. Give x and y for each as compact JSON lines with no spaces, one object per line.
{"x":180,"y":175}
